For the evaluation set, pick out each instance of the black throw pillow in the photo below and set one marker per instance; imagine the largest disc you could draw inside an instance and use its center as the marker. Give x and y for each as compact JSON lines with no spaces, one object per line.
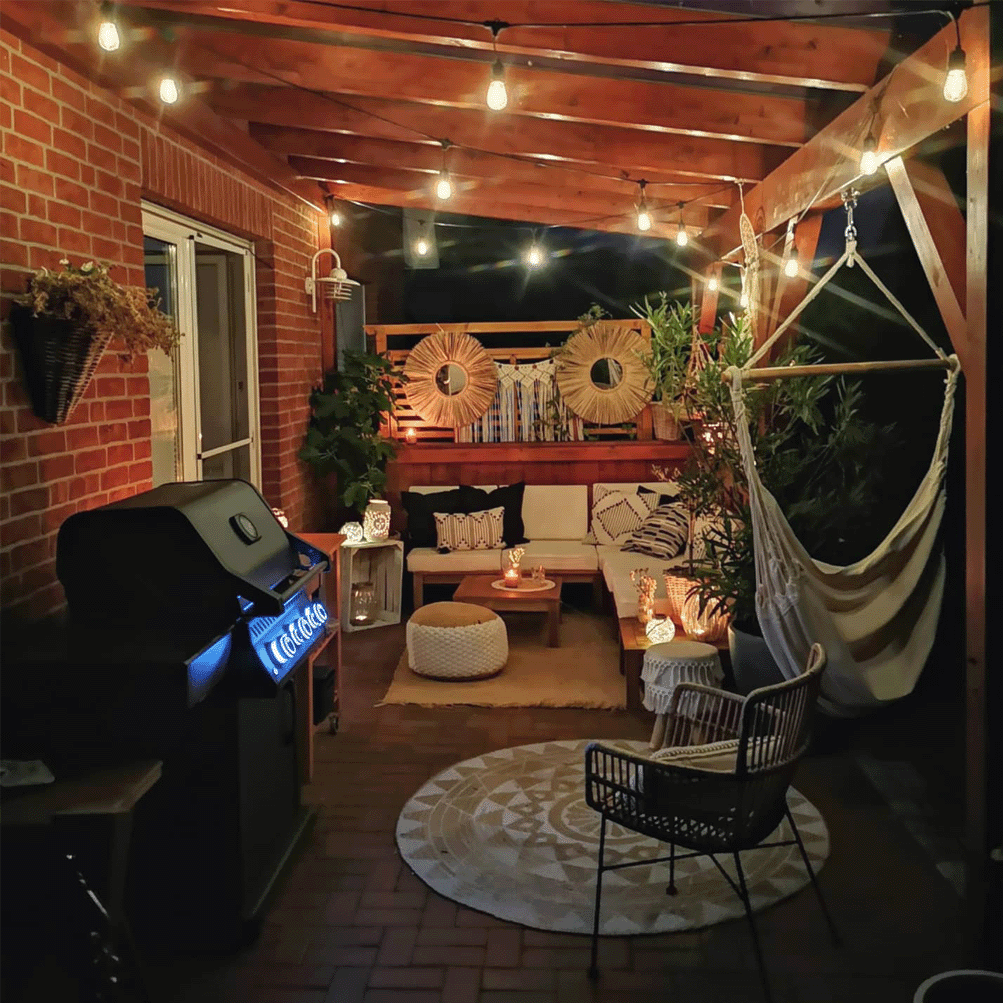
{"x":666,"y":496}
{"x":421,"y":509}
{"x":510,"y":498}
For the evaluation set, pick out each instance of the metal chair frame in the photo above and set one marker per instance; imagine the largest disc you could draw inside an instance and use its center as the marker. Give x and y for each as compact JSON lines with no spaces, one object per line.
{"x":712,"y":812}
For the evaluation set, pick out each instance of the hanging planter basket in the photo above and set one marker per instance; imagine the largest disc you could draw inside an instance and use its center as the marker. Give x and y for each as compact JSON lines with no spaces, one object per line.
{"x":664,"y":424}
{"x":58,"y":357}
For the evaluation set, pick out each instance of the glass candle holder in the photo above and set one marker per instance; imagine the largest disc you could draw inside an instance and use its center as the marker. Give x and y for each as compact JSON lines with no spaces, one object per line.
{"x":709,"y":625}
{"x":659,"y":630}
{"x":376,"y":520}
{"x":363,"y":604}
{"x":511,"y":577}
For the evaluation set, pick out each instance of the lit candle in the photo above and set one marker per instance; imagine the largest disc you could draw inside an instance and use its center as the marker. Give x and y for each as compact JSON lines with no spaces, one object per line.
{"x":512,"y":577}
{"x":411,"y":436}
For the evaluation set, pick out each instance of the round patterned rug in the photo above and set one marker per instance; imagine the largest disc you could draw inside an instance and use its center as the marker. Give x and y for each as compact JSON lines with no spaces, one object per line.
{"x":509,"y":833}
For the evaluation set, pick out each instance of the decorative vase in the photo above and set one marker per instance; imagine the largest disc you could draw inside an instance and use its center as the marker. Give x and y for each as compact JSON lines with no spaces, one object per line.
{"x":376,"y":520}
{"x":707,"y":625}
{"x":363,"y":609}
{"x":352,"y":532}
{"x":58,"y":358}
{"x":751,"y":662}
{"x":660,"y":630}
{"x":663,"y":422}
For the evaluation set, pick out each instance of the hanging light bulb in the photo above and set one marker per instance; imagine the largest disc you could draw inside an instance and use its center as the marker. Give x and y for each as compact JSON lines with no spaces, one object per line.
{"x":497,"y":98}
{"x":421,"y":247}
{"x":169,"y":91}
{"x":869,"y":156}
{"x":791,"y":266}
{"x":956,"y":80}
{"x":682,"y":237}
{"x":444,"y":187}
{"x":108,"y":36}
{"x":534,"y":256}
{"x":712,"y":283}
{"x":335,"y":218}
{"x":643,"y":216}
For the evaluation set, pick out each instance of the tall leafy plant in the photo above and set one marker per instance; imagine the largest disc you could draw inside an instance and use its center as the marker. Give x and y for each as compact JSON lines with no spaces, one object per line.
{"x":815,"y":452}
{"x":344,"y":435}
{"x":671,"y":337}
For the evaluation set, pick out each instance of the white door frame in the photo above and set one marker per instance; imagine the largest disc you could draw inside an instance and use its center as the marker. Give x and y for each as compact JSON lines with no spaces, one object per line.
{"x":183,"y":233}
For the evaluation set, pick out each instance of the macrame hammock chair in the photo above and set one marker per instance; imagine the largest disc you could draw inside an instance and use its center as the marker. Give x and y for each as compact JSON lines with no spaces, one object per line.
{"x":876,"y":618}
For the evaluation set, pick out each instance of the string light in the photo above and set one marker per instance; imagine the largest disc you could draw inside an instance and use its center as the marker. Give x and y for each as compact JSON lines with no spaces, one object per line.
{"x":169,"y":90}
{"x":444,"y":186}
{"x":335,"y":218}
{"x":956,"y":79}
{"x":869,"y":156}
{"x":791,"y":266}
{"x":643,"y":216}
{"x":421,"y":247}
{"x":682,"y":237}
{"x":497,"y":98}
{"x":534,"y":256}
{"x":108,"y":36}
{"x":712,"y":283}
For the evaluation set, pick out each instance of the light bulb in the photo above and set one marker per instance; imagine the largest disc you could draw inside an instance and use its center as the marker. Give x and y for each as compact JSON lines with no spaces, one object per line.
{"x":497,"y":94}
{"x":712,"y":283}
{"x":956,"y":81}
{"x":534,"y":257}
{"x":744,"y":300}
{"x":869,"y":157}
{"x":791,"y":264}
{"x":421,"y":247}
{"x":643,"y":220}
{"x":444,"y":187}
{"x":682,"y":238}
{"x":108,"y":37}
{"x":169,"y":90}
{"x":335,"y":218}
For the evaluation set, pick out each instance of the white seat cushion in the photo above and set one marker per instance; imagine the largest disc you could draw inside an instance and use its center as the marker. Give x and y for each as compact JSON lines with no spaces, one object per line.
{"x":555,"y":511}
{"x":560,"y":555}
{"x":461,"y":562}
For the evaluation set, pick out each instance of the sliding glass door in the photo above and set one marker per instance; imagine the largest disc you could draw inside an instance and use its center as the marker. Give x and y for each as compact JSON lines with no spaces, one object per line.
{"x":204,"y":399}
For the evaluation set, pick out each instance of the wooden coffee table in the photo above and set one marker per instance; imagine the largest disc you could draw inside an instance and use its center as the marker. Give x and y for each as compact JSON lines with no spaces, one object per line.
{"x":477,"y":589}
{"x":634,"y":643}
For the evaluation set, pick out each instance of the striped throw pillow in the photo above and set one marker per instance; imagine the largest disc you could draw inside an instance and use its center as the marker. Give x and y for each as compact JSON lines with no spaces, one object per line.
{"x":663,"y":534}
{"x":617,"y":514}
{"x":470,"y":531}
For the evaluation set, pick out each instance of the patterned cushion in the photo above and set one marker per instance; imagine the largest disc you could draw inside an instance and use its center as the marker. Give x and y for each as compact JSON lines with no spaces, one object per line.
{"x":663,"y":534}
{"x":717,"y":757}
{"x":617,"y":514}
{"x":471,"y":531}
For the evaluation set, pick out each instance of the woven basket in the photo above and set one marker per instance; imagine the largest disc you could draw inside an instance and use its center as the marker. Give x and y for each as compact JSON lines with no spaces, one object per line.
{"x":663,"y":422}
{"x":58,"y":357}
{"x":677,"y":588}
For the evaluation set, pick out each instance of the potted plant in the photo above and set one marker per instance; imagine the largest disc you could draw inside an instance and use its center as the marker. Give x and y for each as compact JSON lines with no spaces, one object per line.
{"x":63,"y":323}
{"x":816,"y":454}
{"x":671,"y":337}
{"x":344,"y":437}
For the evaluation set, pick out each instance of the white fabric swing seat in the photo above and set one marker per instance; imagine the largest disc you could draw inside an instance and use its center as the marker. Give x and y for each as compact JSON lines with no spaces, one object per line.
{"x":876,"y":618}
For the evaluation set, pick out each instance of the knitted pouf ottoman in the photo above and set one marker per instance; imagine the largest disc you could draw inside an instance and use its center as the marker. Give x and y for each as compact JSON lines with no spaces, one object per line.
{"x":456,"y":640}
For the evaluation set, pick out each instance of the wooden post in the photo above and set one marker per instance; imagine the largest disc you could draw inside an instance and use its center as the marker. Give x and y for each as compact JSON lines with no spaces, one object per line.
{"x":708,"y":303}
{"x":790,"y":292}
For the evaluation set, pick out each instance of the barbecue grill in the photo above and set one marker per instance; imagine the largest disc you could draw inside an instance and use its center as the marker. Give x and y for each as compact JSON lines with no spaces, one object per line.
{"x":189,"y":609}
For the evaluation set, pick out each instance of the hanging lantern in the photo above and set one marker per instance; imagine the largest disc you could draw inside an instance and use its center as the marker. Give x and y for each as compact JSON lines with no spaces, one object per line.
{"x":376,"y":520}
{"x":363,"y":608}
{"x":708,"y":626}
{"x":352,"y":532}
{"x":281,"y":516}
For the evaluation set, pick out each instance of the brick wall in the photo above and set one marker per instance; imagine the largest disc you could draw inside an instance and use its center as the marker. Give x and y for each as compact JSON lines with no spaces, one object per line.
{"x":76,"y":163}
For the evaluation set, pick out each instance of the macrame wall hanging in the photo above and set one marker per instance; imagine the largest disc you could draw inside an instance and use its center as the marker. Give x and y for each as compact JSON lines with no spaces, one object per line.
{"x":750,"y":274}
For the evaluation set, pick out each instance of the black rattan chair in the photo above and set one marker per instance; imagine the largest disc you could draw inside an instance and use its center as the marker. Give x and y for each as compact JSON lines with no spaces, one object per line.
{"x":749,"y":747}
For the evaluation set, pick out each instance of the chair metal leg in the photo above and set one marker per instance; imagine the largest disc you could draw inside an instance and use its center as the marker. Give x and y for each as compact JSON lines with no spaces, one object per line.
{"x":836,"y":939}
{"x":671,"y":890}
{"x":743,"y":892}
{"x":594,"y":967}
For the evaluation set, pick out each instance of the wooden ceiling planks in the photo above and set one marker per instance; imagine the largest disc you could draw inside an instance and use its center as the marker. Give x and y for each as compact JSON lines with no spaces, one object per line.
{"x":793,"y":54}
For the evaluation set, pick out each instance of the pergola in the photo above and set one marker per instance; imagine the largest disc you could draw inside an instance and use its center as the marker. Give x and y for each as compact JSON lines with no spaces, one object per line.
{"x":370,"y":100}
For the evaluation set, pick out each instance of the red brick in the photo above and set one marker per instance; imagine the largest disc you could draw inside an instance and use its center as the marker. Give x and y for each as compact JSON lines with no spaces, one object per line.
{"x":141,"y":471}
{"x":18,"y":475}
{"x":108,"y":138}
{"x":33,"y":127}
{"x":98,"y":225}
{"x":14,"y":254}
{"x":71,"y":192}
{"x":106,"y":250}
{"x":115,"y":432}
{"x":107,"y":205}
{"x":47,"y":442}
{"x":60,"y":163}
{"x":82,"y":438}
{"x":76,"y":123}
{"x":74,"y":242}
{"x":17,"y":530}
{"x":32,"y":500}
{"x":24,"y":150}
{"x":34,"y":180}
{"x":110,"y":386}
{"x":12,"y":198}
{"x":99,"y":157}
{"x":81,"y":487}
{"x":64,"y":91}
{"x":54,"y":467}
{"x":114,"y":478}
{"x":37,"y":206}
{"x":119,"y":454}
{"x":36,"y":232}
{"x":28,"y":73}
{"x":28,"y":555}
{"x":139,"y":429}
{"x":10,"y":91}
{"x":44,"y":107}
{"x":13,"y":449}
{"x":65,"y":215}
{"x":117,"y":409}
{"x":92,"y":460}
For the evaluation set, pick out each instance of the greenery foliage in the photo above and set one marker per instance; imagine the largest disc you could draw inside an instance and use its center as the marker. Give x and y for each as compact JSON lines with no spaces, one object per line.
{"x":814,"y":451}
{"x":671,"y":339}
{"x":87,"y":296}
{"x":344,"y":435}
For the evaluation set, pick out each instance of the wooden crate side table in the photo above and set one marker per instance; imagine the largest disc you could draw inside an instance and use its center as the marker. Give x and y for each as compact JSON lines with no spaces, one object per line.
{"x":382,"y":563}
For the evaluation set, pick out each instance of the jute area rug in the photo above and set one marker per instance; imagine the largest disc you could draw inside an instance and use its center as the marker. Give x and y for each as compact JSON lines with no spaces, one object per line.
{"x":509,"y":833}
{"x":583,"y":672}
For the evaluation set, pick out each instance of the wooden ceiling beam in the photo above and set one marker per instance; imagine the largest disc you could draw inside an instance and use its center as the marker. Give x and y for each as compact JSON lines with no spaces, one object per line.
{"x":461,"y":83}
{"x":633,"y":150}
{"x":798,"y":54}
{"x":470,"y":164}
{"x":902,"y":110}
{"x":419,"y":187}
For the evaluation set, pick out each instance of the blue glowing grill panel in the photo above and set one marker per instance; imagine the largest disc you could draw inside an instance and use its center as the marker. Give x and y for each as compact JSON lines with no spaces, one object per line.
{"x":280,"y":642}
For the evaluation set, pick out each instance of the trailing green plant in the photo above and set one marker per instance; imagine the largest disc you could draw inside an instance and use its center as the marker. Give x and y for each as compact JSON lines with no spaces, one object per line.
{"x":344,"y":435}
{"x":88,"y":297}
{"x":671,"y":338}
{"x":815,"y":452}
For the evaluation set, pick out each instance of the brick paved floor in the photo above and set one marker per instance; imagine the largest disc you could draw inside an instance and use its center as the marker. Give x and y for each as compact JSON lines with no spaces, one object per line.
{"x":353,"y":925}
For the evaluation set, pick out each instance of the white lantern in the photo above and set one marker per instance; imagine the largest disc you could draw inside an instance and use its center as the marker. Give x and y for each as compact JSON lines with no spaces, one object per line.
{"x":281,"y":516}
{"x":352,"y":531}
{"x":376,"y":520}
{"x":660,"y":630}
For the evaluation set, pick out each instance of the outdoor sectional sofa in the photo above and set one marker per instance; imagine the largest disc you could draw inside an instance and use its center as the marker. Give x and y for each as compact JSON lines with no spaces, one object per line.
{"x":557,"y":520}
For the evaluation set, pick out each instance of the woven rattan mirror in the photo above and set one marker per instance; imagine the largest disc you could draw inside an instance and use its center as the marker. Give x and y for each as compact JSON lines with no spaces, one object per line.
{"x":451,"y":380}
{"x":601,"y":373}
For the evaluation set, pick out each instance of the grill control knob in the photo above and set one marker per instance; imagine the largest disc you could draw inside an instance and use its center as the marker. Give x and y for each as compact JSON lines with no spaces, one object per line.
{"x":287,"y":645}
{"x":295,"y":634}
{"x":320,"y":612}
{"x":305,"y":628}
{"x":311,"y":618}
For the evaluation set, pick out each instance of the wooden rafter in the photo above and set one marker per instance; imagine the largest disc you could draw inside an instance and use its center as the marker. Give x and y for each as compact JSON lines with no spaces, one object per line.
{"x":617,"y":148}
{"x":798,"y":55}
{"x":903,"y":109}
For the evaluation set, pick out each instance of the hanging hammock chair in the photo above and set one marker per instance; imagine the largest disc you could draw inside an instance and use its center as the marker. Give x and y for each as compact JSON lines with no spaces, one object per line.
{"x":876,"y":618}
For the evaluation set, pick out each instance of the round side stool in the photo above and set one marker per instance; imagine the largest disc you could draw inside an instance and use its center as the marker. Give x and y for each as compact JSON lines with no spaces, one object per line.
{"x":667,"y":665}
{"x":456,"y":640}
